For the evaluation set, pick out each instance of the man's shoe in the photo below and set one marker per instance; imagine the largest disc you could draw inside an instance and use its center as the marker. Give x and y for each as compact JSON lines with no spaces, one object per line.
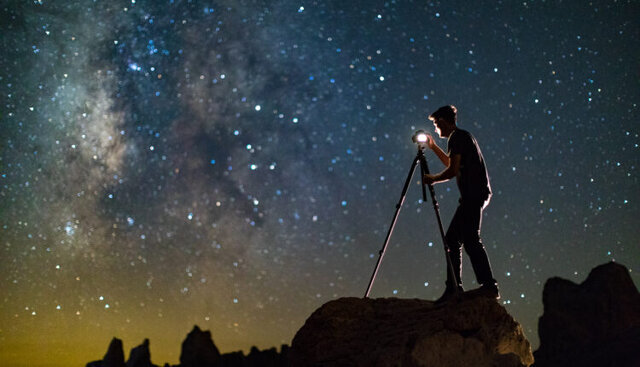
{"x":489,"y":290}
{"x":449,"y":293}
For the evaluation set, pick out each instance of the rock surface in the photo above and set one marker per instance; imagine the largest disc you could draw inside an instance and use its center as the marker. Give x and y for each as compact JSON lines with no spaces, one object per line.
{"x":470,"y":331}
{"x":596,"y":323}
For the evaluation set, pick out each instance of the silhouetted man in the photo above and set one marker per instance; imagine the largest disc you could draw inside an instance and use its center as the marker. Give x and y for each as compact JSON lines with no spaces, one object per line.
{"x":464,"y":161}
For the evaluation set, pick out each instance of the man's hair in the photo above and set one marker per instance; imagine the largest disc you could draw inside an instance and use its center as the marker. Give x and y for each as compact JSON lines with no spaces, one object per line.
{"x":448,"y":113}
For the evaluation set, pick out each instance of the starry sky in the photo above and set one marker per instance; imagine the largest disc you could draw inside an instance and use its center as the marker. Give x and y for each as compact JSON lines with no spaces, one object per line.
{"x":236,"y":164}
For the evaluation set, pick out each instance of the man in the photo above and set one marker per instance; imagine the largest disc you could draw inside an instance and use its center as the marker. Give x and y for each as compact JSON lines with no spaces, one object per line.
{"x":464,"y":161}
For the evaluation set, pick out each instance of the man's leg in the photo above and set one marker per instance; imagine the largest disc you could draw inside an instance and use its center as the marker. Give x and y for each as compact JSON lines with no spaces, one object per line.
{"x":453,"y":240}
{"x":472,"y":214}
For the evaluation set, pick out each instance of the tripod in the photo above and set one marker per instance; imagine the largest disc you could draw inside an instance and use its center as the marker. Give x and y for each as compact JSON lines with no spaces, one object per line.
{"x":424,"y":168}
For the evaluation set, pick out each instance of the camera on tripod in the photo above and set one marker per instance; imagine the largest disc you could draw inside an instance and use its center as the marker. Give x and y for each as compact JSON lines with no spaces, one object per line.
{"x":420,"y":137}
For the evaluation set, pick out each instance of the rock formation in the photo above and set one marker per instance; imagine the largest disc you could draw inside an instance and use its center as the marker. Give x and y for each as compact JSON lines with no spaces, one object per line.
{"x":114,"y":356}
{"x":198,"y":350}
{"x":140,"y":356}
{"x":257,"y":358}
{"x":596,"y":323}
{"x":468,"y":331}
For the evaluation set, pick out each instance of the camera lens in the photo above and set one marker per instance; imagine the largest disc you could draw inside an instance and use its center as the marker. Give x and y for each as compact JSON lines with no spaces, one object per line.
{"x":419,"y":137}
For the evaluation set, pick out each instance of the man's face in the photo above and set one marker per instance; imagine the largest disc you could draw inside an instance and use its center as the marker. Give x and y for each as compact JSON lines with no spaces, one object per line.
{"x":438,"y":125}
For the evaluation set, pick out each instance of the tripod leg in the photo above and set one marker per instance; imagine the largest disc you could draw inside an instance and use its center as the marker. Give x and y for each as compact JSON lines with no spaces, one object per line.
{"x":425,"y":169}
{"x":393,"y":224}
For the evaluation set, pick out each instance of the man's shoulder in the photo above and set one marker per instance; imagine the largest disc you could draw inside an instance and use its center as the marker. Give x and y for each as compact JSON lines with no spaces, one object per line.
{"x":462,"y":132}
{"x":460,"y":135}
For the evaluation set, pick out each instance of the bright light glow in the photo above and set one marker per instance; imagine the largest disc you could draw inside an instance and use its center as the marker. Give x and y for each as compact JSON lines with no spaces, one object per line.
{"x":422,"y":138}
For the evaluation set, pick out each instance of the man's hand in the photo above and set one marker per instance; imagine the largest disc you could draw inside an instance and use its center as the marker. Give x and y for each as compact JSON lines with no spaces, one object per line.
{"x":450,"y":172}
{"x":429,"y":179}
{"x":431,"y":142}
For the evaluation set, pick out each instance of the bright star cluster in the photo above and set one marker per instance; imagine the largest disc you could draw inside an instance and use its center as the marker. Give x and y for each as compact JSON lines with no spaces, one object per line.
{"x":236,"y":164}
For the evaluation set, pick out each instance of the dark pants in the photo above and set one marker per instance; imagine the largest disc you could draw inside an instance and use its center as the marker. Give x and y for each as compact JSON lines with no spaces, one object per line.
{"x":464,"y":230}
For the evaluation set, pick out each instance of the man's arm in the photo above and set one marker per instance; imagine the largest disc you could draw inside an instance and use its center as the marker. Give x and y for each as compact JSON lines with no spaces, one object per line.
{"x":444,"y":158}
{"x":450,"y":172}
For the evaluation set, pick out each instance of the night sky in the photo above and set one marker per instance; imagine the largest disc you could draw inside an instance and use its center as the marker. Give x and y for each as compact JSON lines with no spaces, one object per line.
{"x":236,"y":164}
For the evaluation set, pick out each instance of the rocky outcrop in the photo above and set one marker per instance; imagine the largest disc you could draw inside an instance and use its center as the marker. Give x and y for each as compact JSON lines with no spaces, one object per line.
{"x":596,"y":323}
{"x":257,"y":358}
{"x":140,"y":356}
{"x":198,"y":350}
{"x":468,"y":331}
{"x":114,"y":356}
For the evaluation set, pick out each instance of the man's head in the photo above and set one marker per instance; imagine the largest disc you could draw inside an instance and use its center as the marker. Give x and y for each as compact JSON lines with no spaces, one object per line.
{"x":444,"y":120}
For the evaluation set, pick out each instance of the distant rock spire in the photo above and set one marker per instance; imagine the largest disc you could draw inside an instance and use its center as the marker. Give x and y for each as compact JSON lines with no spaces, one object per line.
{"x":140,"y":356}
{"x":198,"y":350}
{"x":114,"y":356}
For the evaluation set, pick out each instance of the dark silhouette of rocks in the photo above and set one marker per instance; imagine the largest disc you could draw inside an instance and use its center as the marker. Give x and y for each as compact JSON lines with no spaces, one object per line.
{"x":257,"y":358}
{"x":468,"y":331}
{"x":596,"y":323}
{"x":198,"y":350}
{"x":267,"y":358}
{"x":140,"y":356}
{"x":114,"y":356}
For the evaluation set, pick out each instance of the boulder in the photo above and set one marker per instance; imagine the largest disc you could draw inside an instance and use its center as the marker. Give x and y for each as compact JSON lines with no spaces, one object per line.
{"x":596,"y":323}
{"x":468,"y":331}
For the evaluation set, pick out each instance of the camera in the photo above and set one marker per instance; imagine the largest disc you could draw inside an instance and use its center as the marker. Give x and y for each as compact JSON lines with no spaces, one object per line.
{"x":419,"y":137}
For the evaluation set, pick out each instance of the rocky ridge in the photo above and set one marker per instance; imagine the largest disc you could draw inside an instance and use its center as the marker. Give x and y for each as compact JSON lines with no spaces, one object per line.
{"x":198,"y":350}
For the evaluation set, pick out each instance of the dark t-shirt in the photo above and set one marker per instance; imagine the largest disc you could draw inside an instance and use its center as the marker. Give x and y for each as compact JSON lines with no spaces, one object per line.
{"x":473,"y":180}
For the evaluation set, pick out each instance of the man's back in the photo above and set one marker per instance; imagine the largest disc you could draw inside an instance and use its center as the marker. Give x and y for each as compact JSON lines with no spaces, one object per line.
{"x":472,"y":179}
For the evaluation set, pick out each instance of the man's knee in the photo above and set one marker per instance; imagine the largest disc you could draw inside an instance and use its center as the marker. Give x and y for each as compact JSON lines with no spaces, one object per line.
{"x":472,"y":241}
{"x":452,"y":242}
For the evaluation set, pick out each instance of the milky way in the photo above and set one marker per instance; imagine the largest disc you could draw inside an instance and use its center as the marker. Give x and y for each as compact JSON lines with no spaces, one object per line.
{"x":236,"y":164}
